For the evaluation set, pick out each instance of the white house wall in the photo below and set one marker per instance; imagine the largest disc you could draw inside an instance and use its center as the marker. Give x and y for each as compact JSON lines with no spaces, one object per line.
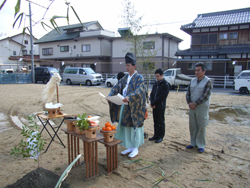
{"x":21,"y":39}
{"x":173,"y":48}
{"x":4,"y":51}
{"x":158,"y":44}
{"x":105,"y":48}
{"x":95,"y":48}
{"x":119,"y":48}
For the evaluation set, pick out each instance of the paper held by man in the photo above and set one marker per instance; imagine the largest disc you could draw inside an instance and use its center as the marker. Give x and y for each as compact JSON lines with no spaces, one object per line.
{"x":117,"y":99}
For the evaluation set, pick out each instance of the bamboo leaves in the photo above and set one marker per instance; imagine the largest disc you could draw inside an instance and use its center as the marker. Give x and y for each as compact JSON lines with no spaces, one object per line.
{"x":21,"y":16}
{"x":17,"y":7}
{"x":34,"y":143}
{"x":76,"y":15}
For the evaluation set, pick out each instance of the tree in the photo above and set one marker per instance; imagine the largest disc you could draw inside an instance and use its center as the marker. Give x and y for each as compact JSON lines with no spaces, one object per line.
{"x":143,"y":50}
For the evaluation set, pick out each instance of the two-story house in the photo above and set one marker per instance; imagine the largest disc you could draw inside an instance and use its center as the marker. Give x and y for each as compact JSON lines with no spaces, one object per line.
{"x":221,"y":40}
{"x":92,"y":46}
{"x":76,"y":45}
{"x":15,"y":52}
{"x":163,"y":45}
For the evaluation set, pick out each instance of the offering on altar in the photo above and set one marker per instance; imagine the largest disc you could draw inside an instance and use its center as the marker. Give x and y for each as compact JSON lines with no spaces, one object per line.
{"x":108,"y":127}
{"x":108,"y":132}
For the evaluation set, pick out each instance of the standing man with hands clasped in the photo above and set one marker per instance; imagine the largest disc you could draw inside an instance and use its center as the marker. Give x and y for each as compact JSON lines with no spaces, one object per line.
{"x":198,"y":99}
{"x":158,"y":98}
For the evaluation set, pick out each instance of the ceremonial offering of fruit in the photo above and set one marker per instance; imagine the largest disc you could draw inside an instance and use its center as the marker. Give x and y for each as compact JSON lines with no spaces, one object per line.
{"x":108,"y":132}
{"x":108,"y":127}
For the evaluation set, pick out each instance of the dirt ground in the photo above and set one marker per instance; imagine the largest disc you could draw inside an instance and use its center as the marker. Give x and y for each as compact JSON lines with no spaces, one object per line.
{"x":225,"y":162}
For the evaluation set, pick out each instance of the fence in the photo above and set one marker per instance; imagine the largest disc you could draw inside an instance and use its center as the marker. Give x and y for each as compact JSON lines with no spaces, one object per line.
{"x":219,"y":81}
{"x":223,"y":81}
{"x":21,"y":78}
{"x":15,"y":78}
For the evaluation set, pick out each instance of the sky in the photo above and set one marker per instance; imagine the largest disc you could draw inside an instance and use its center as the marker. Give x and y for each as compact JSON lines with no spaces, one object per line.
{"x":162,"y":16}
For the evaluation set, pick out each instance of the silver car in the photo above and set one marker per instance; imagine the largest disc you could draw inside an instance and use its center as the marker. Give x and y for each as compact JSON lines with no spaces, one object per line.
{"x":80,"y":75}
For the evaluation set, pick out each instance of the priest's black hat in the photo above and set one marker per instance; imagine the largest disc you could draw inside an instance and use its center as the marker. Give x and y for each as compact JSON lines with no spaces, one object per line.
{"x":130,"y":58}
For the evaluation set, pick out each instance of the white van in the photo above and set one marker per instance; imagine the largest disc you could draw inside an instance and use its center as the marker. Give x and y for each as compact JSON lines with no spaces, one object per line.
{"x":79,"y":75}
{"x":242,"y":82}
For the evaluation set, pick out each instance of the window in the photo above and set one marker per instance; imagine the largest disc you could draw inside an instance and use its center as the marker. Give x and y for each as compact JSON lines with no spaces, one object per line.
{"x":71,"y":71}
{"x":64,"y":48}
{"x":14,"y":52}
{"x":204,"y":39}
{"x":24,"y":52}
{"x":168,"y":73}
{"x":248,"y":65}
{"x":208,"y":66}
{"x":223,"y":35}
{"x":86,"y":48}
{"x":213,"y":38}
{"x":81,"y":71}
{"x":245,"y":75}
{"x":148,"y":66}
{"x":47,"y":51}
{"x":74,"y":46}
{"x":196,"y":39}
{"x":233,"y":35}
{"x":191,"y":66}
{"x":149,"y":45}
{"x":25,"y":42}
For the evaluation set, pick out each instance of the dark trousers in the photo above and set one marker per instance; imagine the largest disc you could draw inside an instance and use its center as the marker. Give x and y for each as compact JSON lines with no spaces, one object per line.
{"x":159,"y":123}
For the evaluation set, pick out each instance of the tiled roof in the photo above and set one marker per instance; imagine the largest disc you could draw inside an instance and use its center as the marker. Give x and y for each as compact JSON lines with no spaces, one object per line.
{"x":230,"y":17}
{"x":53,"y":35}
{"x":234,"y":49}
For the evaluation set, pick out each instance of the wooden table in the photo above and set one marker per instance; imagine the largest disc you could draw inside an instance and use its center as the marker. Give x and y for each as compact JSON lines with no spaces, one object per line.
{"x":112,"y":154}
{"x":90,"y":151}
{"x":47,"y":119}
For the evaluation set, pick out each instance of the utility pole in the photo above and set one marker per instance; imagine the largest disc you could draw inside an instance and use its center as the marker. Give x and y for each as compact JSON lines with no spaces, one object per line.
{"x":31,"y":47}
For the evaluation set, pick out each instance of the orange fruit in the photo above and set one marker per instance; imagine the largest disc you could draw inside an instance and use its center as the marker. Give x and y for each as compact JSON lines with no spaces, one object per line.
{"x":113,"y":127}
{"x":104,"y":129}
{"x":107,"y":124}
{"x":89,"y":116}
{"x":108,"y":129}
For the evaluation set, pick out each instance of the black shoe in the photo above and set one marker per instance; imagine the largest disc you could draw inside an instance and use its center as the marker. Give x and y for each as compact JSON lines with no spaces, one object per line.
{"x":152,"y":138}
{"x":159,"y":140}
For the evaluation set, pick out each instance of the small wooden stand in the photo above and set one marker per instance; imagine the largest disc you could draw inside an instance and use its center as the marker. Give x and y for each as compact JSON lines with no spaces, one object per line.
{"x":52,"y":112}
{"x":91,"y":132}
{"x":71,"y":125}
{"x":90,"y":151}
{"x":78,"y":131}
{"x":112,"y":154}
{"x":108,"y":136}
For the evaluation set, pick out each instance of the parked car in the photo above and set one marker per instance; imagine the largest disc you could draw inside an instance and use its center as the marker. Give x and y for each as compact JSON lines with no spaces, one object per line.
{"x":80,"y":75}
{"x":8,"y":71}
{"x":242,"y":82}
{"x":110,"y":82}
{"x":44,"y":73}
{"x":175,"y":78}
